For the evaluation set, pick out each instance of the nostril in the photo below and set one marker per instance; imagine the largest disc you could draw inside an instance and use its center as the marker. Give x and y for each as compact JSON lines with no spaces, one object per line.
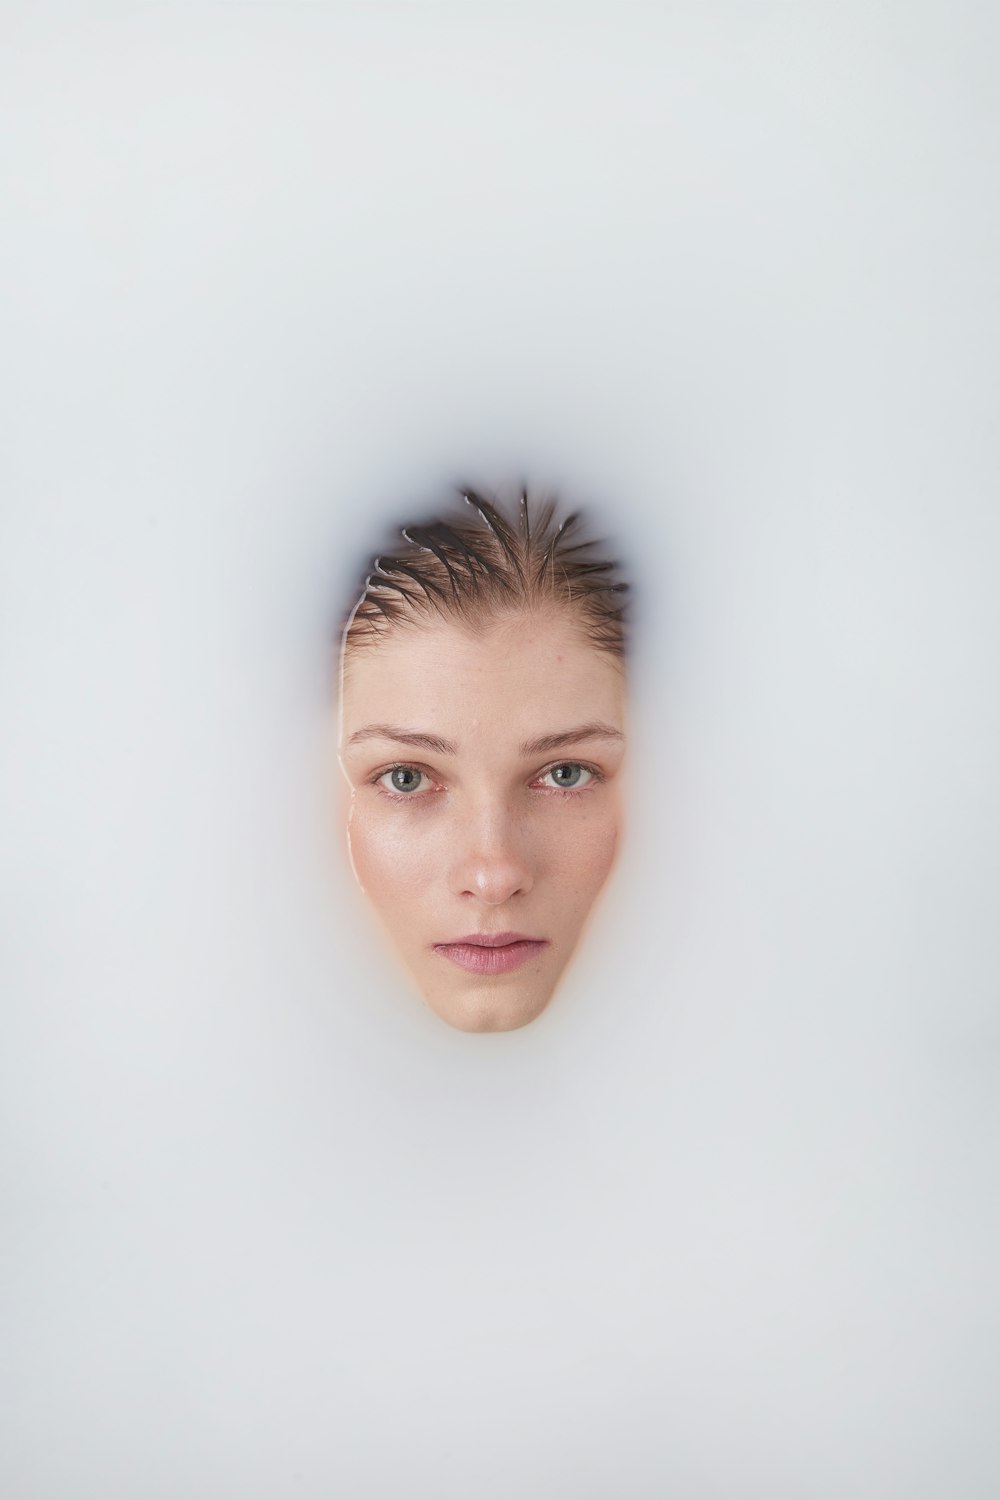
{"x":495,"y":882}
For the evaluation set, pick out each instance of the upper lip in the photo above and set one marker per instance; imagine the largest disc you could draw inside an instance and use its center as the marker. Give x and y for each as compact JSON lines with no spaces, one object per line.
{"x":490,"y":940}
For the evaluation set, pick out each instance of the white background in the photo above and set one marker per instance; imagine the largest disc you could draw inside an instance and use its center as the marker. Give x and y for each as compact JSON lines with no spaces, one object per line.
{"x":724,"y":1222}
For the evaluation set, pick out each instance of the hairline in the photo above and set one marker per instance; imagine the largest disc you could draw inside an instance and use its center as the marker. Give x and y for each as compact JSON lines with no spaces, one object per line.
{"x":476,"y":624}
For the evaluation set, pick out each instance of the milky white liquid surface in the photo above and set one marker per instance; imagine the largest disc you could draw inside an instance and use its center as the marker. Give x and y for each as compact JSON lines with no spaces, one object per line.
{"x":723,"y":1223}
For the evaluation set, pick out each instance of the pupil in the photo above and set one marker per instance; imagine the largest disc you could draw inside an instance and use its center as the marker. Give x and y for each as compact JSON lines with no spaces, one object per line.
{"x":403,"y":779}
{"x":567,"y":775}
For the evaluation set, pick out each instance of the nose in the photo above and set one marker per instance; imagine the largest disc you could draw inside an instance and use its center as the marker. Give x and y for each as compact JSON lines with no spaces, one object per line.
{"x":492,"y":861}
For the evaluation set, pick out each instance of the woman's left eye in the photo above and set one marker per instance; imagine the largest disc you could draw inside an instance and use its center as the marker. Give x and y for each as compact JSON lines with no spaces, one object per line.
{"x":569,"y":776}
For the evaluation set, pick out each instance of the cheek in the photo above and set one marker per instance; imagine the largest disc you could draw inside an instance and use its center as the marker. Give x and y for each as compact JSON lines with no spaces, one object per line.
{"x":586,"y":852}
{"x":390,"y":855}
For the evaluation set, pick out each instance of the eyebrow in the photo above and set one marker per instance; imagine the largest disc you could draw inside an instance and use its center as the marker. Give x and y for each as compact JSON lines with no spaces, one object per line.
{"x":403,"y":737}
{"x":540,"y":746}
{"x":592,"y":731}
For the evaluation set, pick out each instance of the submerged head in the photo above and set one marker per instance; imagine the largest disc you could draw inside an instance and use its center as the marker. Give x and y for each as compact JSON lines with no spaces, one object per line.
{"x":482,"y":738}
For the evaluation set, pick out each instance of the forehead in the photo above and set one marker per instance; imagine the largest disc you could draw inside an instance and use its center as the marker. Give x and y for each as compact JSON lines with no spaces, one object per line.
{"x":445,"y":677}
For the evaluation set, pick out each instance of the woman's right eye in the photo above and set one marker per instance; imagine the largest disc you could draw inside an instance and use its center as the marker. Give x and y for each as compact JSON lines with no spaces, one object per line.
{"x":404,"y":780}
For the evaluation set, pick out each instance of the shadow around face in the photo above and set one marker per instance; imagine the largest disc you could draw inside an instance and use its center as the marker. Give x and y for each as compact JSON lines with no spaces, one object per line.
{"x":485,"y":810}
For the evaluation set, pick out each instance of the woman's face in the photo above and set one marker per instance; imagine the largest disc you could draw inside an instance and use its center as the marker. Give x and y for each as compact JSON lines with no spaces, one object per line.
{"x":485,"y":803}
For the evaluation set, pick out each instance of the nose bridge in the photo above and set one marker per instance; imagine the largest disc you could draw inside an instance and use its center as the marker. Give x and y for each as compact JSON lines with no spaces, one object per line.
{"x":492,"y":853}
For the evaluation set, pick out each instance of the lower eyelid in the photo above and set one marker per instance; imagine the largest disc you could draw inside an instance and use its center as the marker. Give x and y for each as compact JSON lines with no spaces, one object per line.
{"x":411,"y":799}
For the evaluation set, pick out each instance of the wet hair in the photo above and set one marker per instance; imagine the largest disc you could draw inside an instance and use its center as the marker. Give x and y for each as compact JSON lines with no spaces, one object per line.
{"x":477,"y":564}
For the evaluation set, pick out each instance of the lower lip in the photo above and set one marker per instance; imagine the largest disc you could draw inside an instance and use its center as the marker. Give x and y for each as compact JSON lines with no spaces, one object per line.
{"x":480,"y":960}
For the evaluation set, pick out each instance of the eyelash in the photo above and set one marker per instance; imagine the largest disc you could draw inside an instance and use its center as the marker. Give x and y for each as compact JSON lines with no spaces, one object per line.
{"x":594,"y":773}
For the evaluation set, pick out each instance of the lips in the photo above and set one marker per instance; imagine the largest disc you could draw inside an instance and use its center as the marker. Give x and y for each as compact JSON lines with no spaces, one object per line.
{"x":492,"y":952}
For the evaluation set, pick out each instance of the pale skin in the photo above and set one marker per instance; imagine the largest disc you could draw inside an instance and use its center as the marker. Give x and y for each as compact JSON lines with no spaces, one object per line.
{"x":483,"y":778}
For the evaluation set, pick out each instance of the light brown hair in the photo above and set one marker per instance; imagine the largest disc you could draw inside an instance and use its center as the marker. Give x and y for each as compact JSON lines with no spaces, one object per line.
{"x":478,"y":564}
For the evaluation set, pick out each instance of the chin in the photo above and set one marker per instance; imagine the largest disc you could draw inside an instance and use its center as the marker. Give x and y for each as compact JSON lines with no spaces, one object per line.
{"x":481,"y":1008}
